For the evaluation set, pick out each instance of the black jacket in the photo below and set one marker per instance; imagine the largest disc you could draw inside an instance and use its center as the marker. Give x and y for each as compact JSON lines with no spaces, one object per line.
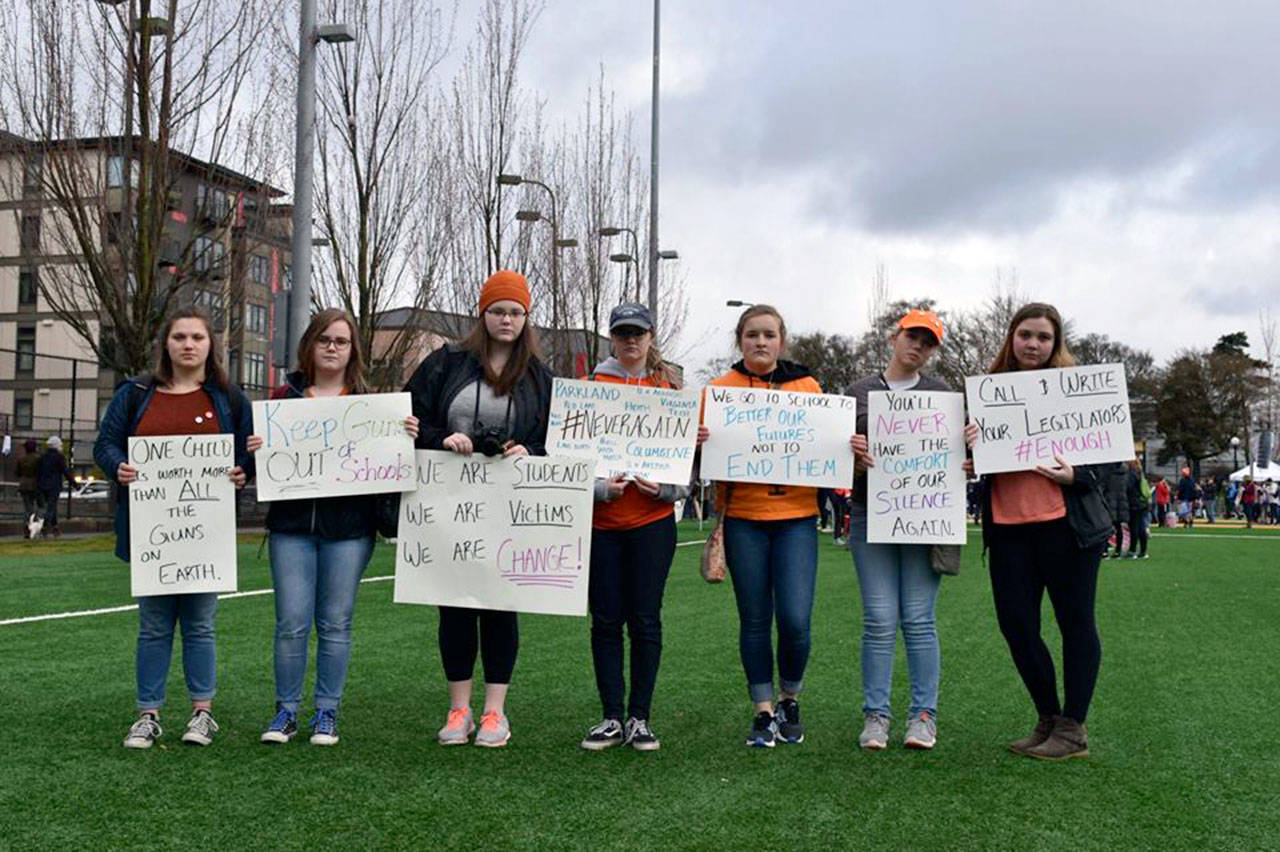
{"x":52,"y":471}
{"x":1116,"y":489}
{"x":1087,"y":511}
{"x":328,"y":517}
{"x":448,"y":370}
{"x":1137,"y":503}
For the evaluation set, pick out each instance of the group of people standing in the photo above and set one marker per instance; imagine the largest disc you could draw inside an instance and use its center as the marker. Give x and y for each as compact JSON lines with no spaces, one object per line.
{"x":40,"y":478}
{"x":1043,"y":530}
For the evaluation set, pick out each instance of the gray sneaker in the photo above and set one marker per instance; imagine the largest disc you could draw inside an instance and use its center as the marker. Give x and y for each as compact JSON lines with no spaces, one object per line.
{"x":200,"y":729}
{"x":458,"y":728}
{"x":921,"y":731}
{"x":143,"y":732}
{"x":875,"y":732}
{"x":495,"y":730}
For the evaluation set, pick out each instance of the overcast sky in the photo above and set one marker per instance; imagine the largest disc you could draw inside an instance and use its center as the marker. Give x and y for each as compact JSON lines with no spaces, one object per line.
{"x":1122,"y":157}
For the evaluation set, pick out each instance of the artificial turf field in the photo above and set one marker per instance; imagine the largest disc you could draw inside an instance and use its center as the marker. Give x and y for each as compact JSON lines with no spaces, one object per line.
{"x":1182,"y":733}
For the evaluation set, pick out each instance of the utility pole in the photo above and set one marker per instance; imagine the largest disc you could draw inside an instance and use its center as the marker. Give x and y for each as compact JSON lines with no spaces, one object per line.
{"x":653,"y":177}
{"x":303,"y":164}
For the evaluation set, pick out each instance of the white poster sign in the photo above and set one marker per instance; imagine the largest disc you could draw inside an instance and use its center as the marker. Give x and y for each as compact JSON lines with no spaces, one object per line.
{"x":333,"y":445}
{"x":916,"y":489}
{"x":633,"y":430}
{"x":495,"y":533}
{"x":1026,"y":418}
{"x":779,"y":437}
{"x":182,"y":515}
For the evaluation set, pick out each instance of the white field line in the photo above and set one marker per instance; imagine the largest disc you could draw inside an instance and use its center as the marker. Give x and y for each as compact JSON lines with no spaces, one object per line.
{"x":251,"y":593}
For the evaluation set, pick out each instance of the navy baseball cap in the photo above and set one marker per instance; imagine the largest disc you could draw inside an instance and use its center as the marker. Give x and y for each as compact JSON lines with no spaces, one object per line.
{"x":631,"y":314}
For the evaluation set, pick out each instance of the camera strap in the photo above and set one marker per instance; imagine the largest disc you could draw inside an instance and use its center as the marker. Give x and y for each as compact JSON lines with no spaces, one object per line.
{"x":475,"y":411}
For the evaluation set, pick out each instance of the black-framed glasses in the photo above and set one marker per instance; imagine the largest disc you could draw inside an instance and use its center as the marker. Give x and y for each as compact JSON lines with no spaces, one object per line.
{"x":499,"y":313}
{"x":339,"y":343}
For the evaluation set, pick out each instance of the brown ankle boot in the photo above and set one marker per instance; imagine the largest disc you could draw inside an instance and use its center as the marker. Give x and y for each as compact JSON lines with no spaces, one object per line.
{"x":1069,"y":739}
{"x":1041,"y":733}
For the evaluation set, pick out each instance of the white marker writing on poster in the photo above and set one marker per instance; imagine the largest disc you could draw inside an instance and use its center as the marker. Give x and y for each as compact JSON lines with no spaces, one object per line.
{"x":182,"y":516}
{"x":916,"y":489}
{"x":497,"y":533}
{"x":1026,"y":418}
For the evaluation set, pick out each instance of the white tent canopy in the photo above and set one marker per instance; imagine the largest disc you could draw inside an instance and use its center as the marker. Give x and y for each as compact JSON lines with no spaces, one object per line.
{"x":1259,"y":472}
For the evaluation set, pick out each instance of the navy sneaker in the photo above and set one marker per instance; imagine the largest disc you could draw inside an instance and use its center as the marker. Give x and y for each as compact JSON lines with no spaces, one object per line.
{"x":787,"y":721}
{"x":763,"y":730}
{"x":282,"y":728}
{"x":324,"y":728}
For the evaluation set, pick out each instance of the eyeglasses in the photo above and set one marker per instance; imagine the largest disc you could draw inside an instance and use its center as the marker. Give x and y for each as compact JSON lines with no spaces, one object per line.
{"x":628,"y":332}
{"x":339,"y":343}
{"x":500,"y":314}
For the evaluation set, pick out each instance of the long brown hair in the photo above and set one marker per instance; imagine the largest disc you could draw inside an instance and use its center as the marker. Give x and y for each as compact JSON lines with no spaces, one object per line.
{"x":1059,"y":357}
{"x":213,"y":371}
{"x":761,"y":311}
{"x":354,"y":377}
{"x":524,"y":350}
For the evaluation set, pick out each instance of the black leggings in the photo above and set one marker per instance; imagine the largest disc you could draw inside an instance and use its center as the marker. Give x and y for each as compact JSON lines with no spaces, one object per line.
{"x":628,"y":575}
{"x":1026,"y":560}
{"x":1138,"y":535}
{"x":499,"y":639}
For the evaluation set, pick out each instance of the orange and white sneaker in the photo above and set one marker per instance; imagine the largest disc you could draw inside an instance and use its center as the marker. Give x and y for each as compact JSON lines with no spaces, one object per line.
{"x":495,"y":730}
{"x":458,"y":728}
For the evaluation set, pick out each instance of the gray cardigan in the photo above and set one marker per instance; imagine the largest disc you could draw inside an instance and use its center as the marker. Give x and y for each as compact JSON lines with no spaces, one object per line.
{"x":860,"y":389}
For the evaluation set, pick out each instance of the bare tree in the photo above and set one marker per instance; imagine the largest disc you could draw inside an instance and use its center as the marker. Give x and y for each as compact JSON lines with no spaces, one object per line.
{"x":382,"y":161}
{"x":1269,"y":342}
{"x":111,"y":106}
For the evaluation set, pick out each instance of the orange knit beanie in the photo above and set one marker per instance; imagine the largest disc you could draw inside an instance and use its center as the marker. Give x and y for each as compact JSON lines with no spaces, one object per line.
{"x":505,"y":284}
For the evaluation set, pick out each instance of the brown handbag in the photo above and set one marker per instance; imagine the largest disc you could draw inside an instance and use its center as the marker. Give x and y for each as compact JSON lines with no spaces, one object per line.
{"x":714,"y":566}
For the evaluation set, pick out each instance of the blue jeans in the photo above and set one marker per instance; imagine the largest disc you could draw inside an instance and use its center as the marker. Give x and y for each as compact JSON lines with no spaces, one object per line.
{"x":316,"y":579}
{"x":157,"y":615}
{"x":899,"y":586}
{"x":773,"y":565}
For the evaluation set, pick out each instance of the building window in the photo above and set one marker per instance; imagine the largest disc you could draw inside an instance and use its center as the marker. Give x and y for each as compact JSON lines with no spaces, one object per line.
{"x":32,"y":170}
{"x":26,"y":348}
{"x":115,"y":172}
{"x":212,"y":204}
{"x":286,"y":275}
{"x":30,"y":234}
{"x":255,"y":370}
{"x":209,"y":255}
{"x":255,"y":319}
{"x":233,"y":365}
{"x":27,"y":287}
{"x":22,"y":413}
{"x":258,"y":269}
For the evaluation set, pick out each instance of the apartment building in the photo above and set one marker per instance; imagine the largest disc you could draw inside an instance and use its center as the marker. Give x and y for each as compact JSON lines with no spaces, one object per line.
{"x":225,"y":247}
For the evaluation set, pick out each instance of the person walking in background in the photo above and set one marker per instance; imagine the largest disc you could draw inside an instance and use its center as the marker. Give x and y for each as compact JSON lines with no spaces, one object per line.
{"x":1045,"y":530}
{"x":28,"y":470}
{"x":1209,"y":497}
{"x":633,"y":541}
{"x":1162,"y":500}
{"x":1230,"y":492}
{"x":771,"y":545}
{"x":1185,"y":494}
{"x":1139,"y":494}
{"x":897,"y":582}
{"x":489,"y":394}
{"x":1249,"y":501}
{"x":319,"y":547}
{"x":1116,"y":490}
{"x":188,"y":393}
{"x":49,"y":478}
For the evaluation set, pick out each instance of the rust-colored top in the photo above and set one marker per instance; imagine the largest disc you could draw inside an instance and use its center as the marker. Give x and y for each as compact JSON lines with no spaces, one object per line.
{"x":1026,"y":497}
{"x":188,"y":413}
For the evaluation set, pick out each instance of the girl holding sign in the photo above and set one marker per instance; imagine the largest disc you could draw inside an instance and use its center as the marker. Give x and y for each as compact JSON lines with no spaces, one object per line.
{"x":897,"y":581}
{"x":188,"y":393}
{"x":1046,"y":530}
{"x":320,"y":547}
{"x":490,"y":393}
{"x":771,"y":545}
{"x":632,"y":544}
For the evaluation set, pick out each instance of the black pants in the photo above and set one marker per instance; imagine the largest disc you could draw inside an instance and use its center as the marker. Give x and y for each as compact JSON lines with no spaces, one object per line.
{"x":1118,"y":526}
{"x":1138,"y":535}
{"x":1025,"y":560}
{"x":499,"y":639}
{"x":628,"y":575}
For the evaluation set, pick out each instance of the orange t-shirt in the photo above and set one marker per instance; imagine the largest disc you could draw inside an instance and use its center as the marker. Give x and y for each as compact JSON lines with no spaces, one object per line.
{"x":1026,"y":497}
{"x":633,"y":509}
{"x":761,"y":502}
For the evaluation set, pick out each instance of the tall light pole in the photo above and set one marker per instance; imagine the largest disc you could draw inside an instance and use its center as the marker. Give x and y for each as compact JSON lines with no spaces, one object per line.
{"x":653,"y":176}
{"x":554,"y":219}
{"x":309,"y":35}
{"x":634,"y":256}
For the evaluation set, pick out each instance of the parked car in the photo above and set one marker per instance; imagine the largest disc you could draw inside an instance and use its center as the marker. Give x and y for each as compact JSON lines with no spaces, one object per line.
{"x":94,"y":489}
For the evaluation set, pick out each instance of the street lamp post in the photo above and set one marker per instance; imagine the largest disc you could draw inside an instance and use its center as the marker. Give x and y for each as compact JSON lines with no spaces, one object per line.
{"x":634,"y":256}
{"x":534,"y":216}
{"x":653,"y":174}
{"x":1235,"y":446}
{"x":309,"y":35}
{"x":737,"y":303}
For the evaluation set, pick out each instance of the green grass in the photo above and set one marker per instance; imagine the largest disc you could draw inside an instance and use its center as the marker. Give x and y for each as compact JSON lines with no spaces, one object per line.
{"x":1183,"y":751}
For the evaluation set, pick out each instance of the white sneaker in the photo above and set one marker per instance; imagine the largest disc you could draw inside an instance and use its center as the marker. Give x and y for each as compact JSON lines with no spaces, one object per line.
{"x":200,"y":729}
{"x":143,"y":732}
{"x":875,"y":732}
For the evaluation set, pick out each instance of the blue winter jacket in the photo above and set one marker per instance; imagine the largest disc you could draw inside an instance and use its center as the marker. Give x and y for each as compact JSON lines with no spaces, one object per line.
{"x":118,"y":424}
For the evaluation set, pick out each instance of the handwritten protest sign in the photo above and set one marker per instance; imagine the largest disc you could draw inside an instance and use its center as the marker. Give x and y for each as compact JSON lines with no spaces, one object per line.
{"x":334,"y":445}
{"x":495,"y":533}
{"x":779,"y":437}
{"x":628,"y":429}
{"x":916,"y":489}
{"x":1025,"y":418}
{"x":182,"y":515}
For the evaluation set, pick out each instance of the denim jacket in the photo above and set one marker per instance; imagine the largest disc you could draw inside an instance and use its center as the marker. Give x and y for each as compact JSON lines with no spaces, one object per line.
{"x":112,"y":447}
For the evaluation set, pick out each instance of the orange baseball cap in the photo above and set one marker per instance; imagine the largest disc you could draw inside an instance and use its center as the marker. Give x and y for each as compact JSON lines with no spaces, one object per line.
{"x":927,"y":320}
